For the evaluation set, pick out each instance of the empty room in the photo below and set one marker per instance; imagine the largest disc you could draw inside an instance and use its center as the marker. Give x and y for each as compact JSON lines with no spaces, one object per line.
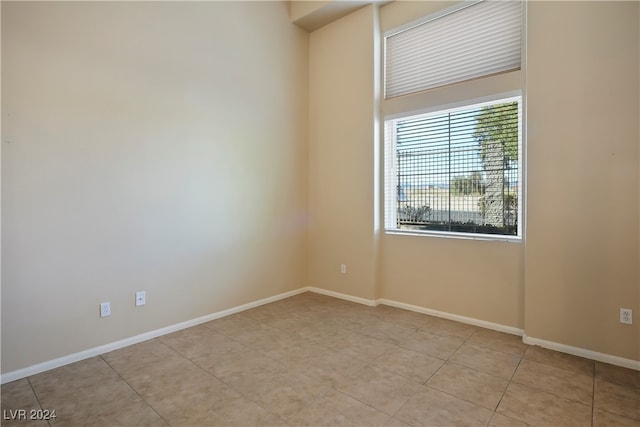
{"x":320,"y":213}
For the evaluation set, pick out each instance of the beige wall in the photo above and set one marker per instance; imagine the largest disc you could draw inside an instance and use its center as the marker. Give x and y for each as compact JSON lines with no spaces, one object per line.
{"x":341,"y":155}
{"x":146,"y":146}
{"x":582,"y":252}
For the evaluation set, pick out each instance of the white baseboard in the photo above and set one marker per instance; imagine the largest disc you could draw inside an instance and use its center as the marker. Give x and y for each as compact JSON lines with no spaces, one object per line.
{"x":581,"y":352}
{"x":95,"y":351}
{"x":346,"y":297}
{"x":85,"y":354}
{"x":462,"y":319}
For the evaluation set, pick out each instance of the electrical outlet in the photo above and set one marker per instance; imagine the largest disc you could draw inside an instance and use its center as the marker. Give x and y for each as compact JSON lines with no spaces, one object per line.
{"x":626,"y":316}
{"x":343,"y":268}
{"x":105,"y":309}
{"x":141,"y":298}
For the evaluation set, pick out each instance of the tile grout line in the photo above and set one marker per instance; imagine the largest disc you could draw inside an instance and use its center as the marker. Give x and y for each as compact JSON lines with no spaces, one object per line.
{"x":240,"y":392}
{"x":447,"y":359}
{"x":400,"y":409}
{"x":357,"y":331}
{"x":134,"y":390}
{"x":462,"y":365}
{"x":593,"y":395}
{"x":557,"y":367}
{"x":550,"y":392}
{"x":509,"y":383}
{"x":401,"y":375}
{"x":424,"y":384}
{"x":33,"y":390}
{"x":207,"y":373}
{"x":458,"y":397}
{"x":331,"y":387}
{"x":390,"y":372}
{"x":493,"y":412}
{"x":365,"y":403}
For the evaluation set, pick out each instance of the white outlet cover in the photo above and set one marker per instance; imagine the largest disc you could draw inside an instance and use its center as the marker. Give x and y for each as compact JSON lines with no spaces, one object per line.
{"x":141,"y":298}
{"x":105,"y":309}
{"x":626,"y":316}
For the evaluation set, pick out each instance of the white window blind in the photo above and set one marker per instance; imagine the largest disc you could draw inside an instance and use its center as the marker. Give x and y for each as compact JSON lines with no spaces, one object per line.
{"x":478,"y":40}
{"x":455,"y":171}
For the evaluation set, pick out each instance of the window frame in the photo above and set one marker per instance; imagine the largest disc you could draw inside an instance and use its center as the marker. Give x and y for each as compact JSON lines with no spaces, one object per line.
{"x":390,"y":165}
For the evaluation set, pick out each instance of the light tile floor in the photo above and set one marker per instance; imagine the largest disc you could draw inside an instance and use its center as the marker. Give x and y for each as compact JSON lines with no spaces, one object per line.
{"x":312,"y":360}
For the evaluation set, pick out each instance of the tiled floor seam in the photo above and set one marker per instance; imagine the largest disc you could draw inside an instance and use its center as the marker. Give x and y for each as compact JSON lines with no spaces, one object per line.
{"x":231,"y":385}
{"x":400,"y":409}
{"x":447,"y":335}
{"x":478,"y":370}
{"x":506,"y":416}
{"x":460,"y":346}
{"x":621,"y":416}
{"x":398,"y":374}
{"x":508,"y":384}
{"x":33,"y":390}
{"x":461,"y":398}
{"x":557,"y":367}
{"x":553,"y":393}
{"x":135,"y":391}
{"x":434,"y":373}
{"x":261,"y":406}
{"x":344,"y":393}
{"x":490,"y":419}
{"x":485,"y":347}
{"x":593,"y":397}
{"x":474,"y":369}
{"x":200,"y":368}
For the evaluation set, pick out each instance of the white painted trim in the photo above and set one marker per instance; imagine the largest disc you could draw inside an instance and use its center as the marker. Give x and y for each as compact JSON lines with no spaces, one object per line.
{"x":359,"y":300}
{"x":95,"y":351}
{"x":455,"y":317}
{"x":581,"y":352}
{"x":85,"y":354}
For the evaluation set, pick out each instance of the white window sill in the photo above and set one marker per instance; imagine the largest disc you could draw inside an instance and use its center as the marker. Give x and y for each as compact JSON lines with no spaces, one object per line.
{"x":453,"y":235}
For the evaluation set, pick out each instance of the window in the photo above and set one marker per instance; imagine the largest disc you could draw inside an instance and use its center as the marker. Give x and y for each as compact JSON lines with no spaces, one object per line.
{"x":455,"y":170}
{"x":454,"y":166}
